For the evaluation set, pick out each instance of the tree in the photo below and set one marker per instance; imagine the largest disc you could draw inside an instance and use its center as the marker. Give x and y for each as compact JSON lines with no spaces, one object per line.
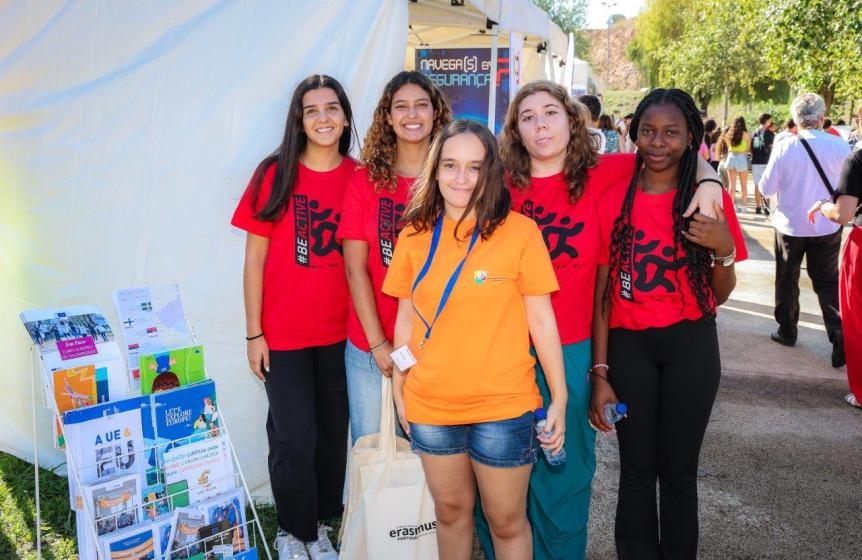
{"x":571,"y":17}
{"x":660,"y":24}
{"x":817,"y":44}
{"x":718,"y":53}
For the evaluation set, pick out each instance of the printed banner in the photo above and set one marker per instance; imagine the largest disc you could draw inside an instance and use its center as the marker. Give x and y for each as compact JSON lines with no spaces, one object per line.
{"x":464,"y":76}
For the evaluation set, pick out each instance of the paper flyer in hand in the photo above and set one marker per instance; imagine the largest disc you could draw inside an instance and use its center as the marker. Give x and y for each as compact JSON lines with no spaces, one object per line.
{"x":171,"y":369}
{"x":198,"y":471}
{"x":115,"y":503}
{"x":151,"y":320}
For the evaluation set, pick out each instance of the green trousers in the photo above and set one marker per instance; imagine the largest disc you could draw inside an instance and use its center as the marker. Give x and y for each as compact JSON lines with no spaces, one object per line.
{"x":558,"y":501}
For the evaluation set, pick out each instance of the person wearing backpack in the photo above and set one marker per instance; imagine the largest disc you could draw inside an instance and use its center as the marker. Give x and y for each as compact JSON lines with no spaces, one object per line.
{"x":761,"y":147}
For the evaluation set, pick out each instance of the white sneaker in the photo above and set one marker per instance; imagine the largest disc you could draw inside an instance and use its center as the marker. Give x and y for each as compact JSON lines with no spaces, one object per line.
{"x":289,"y":547}
{"x":321,"y":549}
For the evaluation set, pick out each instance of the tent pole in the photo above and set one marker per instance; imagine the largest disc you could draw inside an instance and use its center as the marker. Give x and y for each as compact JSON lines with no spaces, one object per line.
{"x":492,"y":86}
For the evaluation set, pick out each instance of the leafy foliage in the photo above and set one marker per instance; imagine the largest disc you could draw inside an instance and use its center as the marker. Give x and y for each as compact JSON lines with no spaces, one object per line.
{"x":752,"y":49}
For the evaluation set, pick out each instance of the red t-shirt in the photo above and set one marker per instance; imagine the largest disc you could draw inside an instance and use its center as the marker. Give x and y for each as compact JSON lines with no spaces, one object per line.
{"x":304,"y":287}
{"x":571,"y":233}
{"x":659,"y":285}
{"x":373,"y":217}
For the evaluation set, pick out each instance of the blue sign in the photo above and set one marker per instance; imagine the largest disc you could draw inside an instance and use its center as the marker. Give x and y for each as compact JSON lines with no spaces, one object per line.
{"x":464,"y":76}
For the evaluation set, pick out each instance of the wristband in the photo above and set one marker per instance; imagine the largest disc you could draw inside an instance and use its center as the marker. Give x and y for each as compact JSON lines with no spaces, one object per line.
{"x":376,"y":346}
{"x":607,"y":368}
{"x":250,"y":338}
{"x":597,"y":374}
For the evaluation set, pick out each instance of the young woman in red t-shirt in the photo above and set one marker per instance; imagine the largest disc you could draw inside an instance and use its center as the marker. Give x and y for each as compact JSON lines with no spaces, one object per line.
{"x":411,"y":111}
{"x":557,"y":177}
{"x":296,"y":310}
{"x":655,"y":345}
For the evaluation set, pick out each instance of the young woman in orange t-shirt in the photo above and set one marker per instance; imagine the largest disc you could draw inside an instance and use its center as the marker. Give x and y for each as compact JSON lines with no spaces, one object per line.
{"x":474,"y":282}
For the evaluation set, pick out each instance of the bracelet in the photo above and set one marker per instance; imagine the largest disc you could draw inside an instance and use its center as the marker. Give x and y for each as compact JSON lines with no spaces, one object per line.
{"x":597,"y":374}
{"x":378,"y":345}
{"x":711,"y":180}
{"x":606,"y":366}
{"x":250,"y":338}
{"x":732,"y":253}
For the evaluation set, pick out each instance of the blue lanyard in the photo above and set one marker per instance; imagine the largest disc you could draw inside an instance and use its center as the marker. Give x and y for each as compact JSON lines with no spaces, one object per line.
{"x":447,"y":291}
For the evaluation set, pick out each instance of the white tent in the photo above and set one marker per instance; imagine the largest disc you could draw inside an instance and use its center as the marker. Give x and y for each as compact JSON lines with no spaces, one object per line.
{"x":128,"y":132}
{"x":493,"y":24}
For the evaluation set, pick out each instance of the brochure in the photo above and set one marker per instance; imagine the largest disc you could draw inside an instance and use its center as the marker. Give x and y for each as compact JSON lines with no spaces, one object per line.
{"x":107,"y":440}
{"x":68,"y":337}
{"x":87,"y":385}
{"x":115,"y":503}
{"x":185,"y":415}
{"x":151,"y":320}
{"x":230,"y":507}
{"x":198,"y":471}
{"x":171,"y":369}
{"x":184,"y":532}
{"x":134,"y":543}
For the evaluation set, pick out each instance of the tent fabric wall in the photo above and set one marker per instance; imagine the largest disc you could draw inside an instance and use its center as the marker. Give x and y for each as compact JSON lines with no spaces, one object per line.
{"x":128,"y":132}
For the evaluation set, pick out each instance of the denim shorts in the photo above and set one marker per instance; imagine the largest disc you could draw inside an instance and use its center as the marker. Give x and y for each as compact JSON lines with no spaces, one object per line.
{"x":501,"y":443}
{"x":739,"y":162}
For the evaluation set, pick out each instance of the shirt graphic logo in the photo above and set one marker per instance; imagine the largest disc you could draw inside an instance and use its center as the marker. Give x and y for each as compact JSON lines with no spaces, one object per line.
{"x":387,"y":228}
{"x":557,"y":236}
{"x":315,"y":231}
{"x":661,"y":262}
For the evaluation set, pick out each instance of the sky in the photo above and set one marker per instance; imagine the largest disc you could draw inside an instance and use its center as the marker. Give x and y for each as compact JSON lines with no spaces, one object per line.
{"x":597,"y":14}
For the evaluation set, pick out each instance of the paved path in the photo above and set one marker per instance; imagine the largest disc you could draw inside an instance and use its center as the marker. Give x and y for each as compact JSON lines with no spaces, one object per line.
{"x":782,"y":458}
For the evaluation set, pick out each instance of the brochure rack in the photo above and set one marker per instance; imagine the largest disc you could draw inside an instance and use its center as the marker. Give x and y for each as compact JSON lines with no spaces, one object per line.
{"x":245,"y":531}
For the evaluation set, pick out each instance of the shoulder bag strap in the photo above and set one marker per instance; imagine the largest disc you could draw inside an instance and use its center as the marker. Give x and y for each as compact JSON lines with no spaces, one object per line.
{"x":817,"y":165}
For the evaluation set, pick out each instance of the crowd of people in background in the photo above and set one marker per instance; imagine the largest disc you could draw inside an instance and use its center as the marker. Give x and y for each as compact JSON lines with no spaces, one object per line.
{"x":350,"y":266}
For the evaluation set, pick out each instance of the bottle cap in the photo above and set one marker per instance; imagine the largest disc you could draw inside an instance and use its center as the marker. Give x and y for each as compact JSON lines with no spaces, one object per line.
{"x":622,"y":409}
{"x":540,"y":414}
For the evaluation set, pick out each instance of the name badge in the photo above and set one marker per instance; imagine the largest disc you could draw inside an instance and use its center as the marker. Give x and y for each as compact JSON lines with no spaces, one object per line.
{"x":403,"y":358}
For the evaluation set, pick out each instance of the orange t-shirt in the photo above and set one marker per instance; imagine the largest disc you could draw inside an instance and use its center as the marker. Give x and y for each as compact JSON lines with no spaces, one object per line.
{"x":476,"y":367}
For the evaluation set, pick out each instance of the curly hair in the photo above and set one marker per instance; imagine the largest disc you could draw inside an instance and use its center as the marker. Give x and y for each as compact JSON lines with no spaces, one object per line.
{"x":582,"y":152}
{"x":734,"y":135}
{"x":697,"y":258}
{"x":490,"y":199}
{"x":379,"y":150}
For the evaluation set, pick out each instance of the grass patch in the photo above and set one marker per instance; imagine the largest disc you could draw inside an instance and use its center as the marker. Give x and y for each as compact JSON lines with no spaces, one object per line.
{"x":18,"y":513}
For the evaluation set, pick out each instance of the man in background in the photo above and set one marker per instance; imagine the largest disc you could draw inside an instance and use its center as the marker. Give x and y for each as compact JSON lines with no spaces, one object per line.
{"x":793,"y":176}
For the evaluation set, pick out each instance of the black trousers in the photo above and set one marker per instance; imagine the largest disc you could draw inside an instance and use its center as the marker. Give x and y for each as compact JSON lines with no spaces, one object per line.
{"x":668,"y":377}
{"x":307,"y":433}
{"x":822,"y":255}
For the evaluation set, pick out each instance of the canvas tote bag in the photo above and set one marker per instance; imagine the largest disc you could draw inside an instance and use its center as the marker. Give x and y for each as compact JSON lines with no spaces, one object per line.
{"x":389,"y":514}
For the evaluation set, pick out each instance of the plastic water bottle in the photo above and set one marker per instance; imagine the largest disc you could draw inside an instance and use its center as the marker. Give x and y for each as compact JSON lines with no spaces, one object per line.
{"x":614,"y":412}
{"x":554,"y":459}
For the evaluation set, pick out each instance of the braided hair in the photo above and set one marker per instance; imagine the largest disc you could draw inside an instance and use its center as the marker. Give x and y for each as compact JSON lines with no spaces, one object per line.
{"x":697,"y":258}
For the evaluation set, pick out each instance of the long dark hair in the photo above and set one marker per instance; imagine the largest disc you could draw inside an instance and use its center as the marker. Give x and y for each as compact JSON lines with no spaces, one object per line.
{"x":698,"y":259}
{"x":490,"y":198}
{"x":581,"y":152}
{"x":709,"y":128}
{"x":286,"y":157}
{"x":379,"y":148}
{"x":736,"y":130}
